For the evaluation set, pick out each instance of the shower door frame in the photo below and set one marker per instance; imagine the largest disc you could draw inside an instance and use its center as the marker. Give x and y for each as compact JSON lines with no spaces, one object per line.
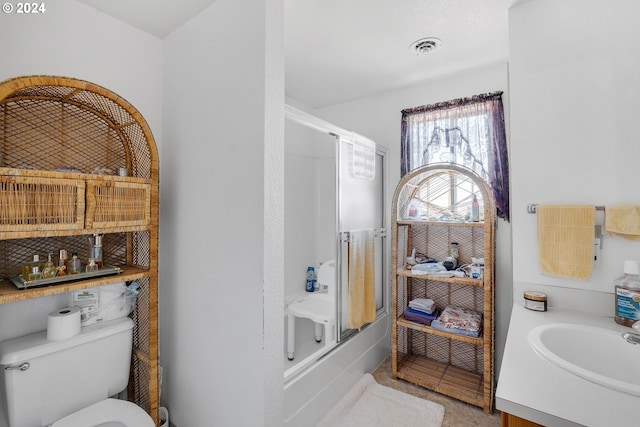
{"x":341,"y":135}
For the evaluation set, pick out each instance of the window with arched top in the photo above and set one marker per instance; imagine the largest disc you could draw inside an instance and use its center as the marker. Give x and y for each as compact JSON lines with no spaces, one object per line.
{"x":468,"y":132}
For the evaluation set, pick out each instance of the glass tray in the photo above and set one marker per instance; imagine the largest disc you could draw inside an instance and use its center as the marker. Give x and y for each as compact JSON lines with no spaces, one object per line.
{"x":106,"y":270}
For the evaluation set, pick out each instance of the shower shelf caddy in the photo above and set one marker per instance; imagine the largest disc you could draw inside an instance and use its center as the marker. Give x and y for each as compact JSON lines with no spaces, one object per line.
{"x":48,"y":123}
{"x":456,"y":365}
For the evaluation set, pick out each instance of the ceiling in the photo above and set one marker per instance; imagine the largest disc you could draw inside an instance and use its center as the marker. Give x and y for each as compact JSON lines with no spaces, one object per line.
{"x":340,"y":50}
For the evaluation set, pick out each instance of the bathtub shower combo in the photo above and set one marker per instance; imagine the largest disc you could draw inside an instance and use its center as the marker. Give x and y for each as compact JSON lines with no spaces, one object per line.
{"x":334,"y":222}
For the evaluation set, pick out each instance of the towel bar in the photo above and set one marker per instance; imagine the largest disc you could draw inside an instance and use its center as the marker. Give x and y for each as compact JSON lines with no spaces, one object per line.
{"x":377,"y":232}
{"x":531,"y":208}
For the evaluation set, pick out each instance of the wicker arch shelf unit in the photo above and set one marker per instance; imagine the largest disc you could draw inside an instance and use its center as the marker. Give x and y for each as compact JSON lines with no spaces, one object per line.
{"x":61,"y":140}
{"x":453,"y":364}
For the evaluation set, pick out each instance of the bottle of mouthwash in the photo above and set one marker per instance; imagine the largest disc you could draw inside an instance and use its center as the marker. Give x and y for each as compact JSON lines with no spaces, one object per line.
{"x":627,"y":295}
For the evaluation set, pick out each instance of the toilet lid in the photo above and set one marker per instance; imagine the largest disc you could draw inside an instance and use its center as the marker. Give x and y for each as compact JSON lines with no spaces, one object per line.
{"x":108,"y":413}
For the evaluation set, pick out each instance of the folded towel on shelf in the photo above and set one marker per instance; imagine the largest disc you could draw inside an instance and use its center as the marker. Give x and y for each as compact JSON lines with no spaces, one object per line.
{"x":439,"y":326}
{"x":460,"y":318}
{"x":623,"y":221}
{"x":420,"y":317}
{"x":423,"y":304}
{"x":565,"y":240}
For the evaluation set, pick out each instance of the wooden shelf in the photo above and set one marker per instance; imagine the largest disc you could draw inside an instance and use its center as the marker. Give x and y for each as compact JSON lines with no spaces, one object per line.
{"x":443,"y":378}
{"x":457,"y":365}
{"x":10,"y":293}
{"x":468,"y":281}
{"x":440,"y":223}
{"x":401,"y":321}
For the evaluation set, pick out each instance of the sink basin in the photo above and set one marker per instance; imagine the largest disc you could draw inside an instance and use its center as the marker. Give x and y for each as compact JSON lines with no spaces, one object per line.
{"x":598,"y":355}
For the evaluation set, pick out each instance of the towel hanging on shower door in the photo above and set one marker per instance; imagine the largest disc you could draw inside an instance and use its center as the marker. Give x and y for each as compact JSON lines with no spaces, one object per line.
{"x":362,"y":270}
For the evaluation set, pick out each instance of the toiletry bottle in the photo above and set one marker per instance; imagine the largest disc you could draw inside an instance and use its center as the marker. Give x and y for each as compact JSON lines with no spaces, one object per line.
{"x":74,"y":264}
{"x":63,"y":263}
{"x":311,"y":279}
{"x":97,"y":250}
{"x":475,"y":210}
{"x":34,"y":271}
{"x":91,"y":265}
{"x":49,"y":270}
{"x":627,"y":295}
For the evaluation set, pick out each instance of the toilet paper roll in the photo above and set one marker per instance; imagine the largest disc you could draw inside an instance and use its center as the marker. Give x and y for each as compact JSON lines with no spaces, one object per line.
{"x":63,"y":323}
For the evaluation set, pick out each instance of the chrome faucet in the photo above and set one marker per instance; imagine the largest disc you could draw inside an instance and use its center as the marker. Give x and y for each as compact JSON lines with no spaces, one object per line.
{"x":631,"y":337}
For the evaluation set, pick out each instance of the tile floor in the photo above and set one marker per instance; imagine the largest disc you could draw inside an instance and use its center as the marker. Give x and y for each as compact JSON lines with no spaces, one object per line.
{"x":457,"y":413}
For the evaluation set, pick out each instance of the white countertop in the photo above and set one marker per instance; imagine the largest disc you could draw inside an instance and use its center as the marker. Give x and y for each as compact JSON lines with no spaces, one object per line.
{"x":533,"y":388}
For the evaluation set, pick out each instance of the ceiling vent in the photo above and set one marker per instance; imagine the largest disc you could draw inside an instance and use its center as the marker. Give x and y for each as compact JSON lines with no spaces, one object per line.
{"x":426,"y":45}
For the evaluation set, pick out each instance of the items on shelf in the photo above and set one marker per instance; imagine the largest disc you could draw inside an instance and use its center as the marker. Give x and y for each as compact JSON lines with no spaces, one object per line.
{"x":421,"y":310}
{"x":63,"y":263}
{"x":420,"y":316}
{"x":425,"y":305}
{"x":95,"y":249}
{"x":49,"y":269}
{"x":32,"y":270}
{"x":475,"y":210}
{"x":75,"y":266}
{"x":459,"y":320}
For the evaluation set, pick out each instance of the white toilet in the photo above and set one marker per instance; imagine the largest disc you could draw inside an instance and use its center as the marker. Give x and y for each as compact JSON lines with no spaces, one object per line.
{"x":68,"y":383}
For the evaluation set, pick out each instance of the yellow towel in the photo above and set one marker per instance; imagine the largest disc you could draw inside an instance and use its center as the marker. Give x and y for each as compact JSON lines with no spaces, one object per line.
{"x":565,"y":240}
{"x":362,"y":293}
{"x":623,"y":220}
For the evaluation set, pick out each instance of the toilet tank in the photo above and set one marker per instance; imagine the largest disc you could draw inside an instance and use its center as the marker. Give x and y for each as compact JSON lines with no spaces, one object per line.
{"x":43,"y":381}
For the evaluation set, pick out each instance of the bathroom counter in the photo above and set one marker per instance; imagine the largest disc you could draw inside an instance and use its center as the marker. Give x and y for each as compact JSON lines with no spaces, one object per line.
{"x":532,"y":388}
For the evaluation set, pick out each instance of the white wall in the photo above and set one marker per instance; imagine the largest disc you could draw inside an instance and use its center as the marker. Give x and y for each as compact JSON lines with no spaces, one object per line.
{"x":215,"y":259}
{"x":574,"y":99}
{"x":63,"y":41}
{"x":378,"y":117}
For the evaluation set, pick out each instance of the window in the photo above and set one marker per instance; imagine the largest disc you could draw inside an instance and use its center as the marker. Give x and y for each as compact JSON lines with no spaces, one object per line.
{"x":468,"y":132}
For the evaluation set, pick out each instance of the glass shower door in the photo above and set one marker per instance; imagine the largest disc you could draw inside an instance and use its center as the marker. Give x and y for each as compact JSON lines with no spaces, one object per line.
{"x":360,"y":207}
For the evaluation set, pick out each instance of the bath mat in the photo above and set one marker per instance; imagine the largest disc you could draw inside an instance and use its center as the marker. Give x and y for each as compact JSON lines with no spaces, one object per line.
{"x":369,"y":404}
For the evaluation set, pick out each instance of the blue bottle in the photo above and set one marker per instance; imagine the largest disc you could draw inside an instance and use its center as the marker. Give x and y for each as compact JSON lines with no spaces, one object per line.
{"x":311,"y":279}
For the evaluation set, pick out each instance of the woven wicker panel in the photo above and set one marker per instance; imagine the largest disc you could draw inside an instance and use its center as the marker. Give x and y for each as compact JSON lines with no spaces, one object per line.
{"x":141,"y":318}
{"x":139,"y":390}
{"x":140,"y":379}
{"x":435,"y":241}
{"x":460,"y":354}
{"x":141,"y":248}
{"x":72,"y":143}
{"x":445,"y":294}
{"x":47,"y":127}
{"x":48,"y":203}
{"x":117,"y":204}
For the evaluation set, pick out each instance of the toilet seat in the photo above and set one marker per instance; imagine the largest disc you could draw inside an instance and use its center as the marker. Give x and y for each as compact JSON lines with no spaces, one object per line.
{"x":108,"y":413}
